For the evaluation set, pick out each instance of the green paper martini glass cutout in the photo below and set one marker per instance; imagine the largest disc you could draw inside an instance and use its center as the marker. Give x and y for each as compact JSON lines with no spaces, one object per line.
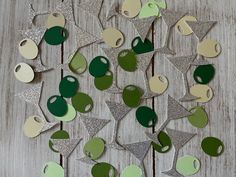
{"x":78,"y":63}
{"x":132,"y":96}
{"x":132,"y":171}
{"x":203,"y":74}
{"x":127,"y":60}
{"x":82,"y":102}
{"x":52,"y":169}
{"x":103,"y":170}
{"x":99,"y":66}
{"x":60,"y":134}
{"x":56,"y":35}
{"x":199,"y":118}
{"x":165,"y":143}
{"x":212,"y":146}
{"x":94,"y":148}
{"x":68,"y":86}
{"x":139,"y":47}
{"x":57,"y":106}
{"x":69,"y":116}
{"x":104,"y":82}
{"x":146,"y":116}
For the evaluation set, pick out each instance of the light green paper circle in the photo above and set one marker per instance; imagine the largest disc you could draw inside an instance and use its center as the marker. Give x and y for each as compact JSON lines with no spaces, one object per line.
{"x":94,"y":148}
{"x":188,"y":165}
{"x":78,"y":63}
{"x":132,"y":171}
{"x":52,"y":169}
{"x":149,"y":9}
{"x":69,"y":116}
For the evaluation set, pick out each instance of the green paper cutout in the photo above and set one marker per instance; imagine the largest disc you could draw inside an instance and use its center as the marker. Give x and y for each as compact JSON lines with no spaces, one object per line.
{"x":69,"y":116}
{"x":146,"y":116}
{"x":94,"y":148}
{"x":60,"y":134}
{"x":99,"y":66}
{"x":132,"y":96}
{"x":104,"y":82}
{"x":78,"y":63}
{"x":188,"y":165}
{"x":57,"y":106}
{"x":212,"y":146}
{"x":56,"y":35}
{"x":203,"y":74}
{"x":127,"y":60}
{"x":68,"y":86}
{"x":82,"y":102}
{"x":149,"y":9}
{"x":165,"y":143}
{"x":103,"y":170}
{"x":199,"y":118}
{"x":139,"y":47}
{"x":132,"y":171}
{"x":52,"y":169}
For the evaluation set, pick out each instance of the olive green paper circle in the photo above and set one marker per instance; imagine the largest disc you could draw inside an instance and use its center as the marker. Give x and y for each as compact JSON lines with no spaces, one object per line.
{"x":146,"y":116}
{"x":103,"y":170}
{"x":57,"y":106}
{"x":132,"y":171}
{"x":68,"y":86}
{"x":94,"y":148}
{"x":203,"y":74}
{"x":188,"y":165}
{"x":28,"y":49}
{"x":212,"y":146}
{"x":69,"y":116}
{"x":82,"y":102}
{"x":56,"y":35}
{"x":127,"y":60}
{"x":52,"y":169}
{"x":24,"y":73}
{"x":132,"y":96}
{"x":165,"y":143}
{"x":104,"y":82}
{"x":60,"y":134}
{"x":33,"y":126}
{"x":139,"y":47}
{"x":78,"y":63}
{"x":99,"y":66}
{"x":199,"y":117}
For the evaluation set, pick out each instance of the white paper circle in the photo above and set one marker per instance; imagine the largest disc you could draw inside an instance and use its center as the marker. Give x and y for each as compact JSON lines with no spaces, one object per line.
{"x":28,"y":49}
{"x":23,"y":72}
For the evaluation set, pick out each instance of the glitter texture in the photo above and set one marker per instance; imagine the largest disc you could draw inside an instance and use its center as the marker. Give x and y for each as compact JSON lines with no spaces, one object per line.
{"x":66,"y":8}
{"x":35,"y":34}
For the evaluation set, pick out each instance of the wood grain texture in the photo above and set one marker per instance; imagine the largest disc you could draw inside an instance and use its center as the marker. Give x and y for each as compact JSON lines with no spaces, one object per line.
{"x":25,"y":157}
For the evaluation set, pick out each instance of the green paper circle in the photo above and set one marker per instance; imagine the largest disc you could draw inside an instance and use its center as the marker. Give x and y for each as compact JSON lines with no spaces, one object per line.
{"x":104,"y":82}
{"x":82,"y":102}
{"x":127,"y":60}
{"x":94,"y":148}
{"x":212,"y":146}
{"x":149,"y":9}
{"x":56,"y":35}
{"x":165,"y":143}
{"x":99,"y":66}
{"x":60,"y":134}
{"x":103,"y":170}
{"x":199,"y":117}
{"x":57,"y":106}
{"x":140,"y":47}
{"x":132,"y":171}
{"x":132,"y":96}
{"x":203,"y":74}
{"x":188,"y":165}
{"x":146,"y":116}
{"x":68,"y":86}
{"x":78,"y":63}
{"x":69,"y":116}
{"x":52,"y":169}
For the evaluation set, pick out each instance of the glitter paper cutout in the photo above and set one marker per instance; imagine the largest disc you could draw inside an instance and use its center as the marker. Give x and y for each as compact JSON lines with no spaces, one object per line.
{"x":113,"y":11}
{"x":35,"y":34}
{"x":32,"y":14}
{"x":87,"y":160}
{"x":66,"y":8}
{"x":39,"y":66}
{"x":199,"y":61}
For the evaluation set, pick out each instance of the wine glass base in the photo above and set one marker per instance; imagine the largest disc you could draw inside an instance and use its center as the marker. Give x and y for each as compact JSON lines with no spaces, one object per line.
{"x":165,"y":50}
{"x":172,"y":172}
{"x":188,"y":97}
{"x":114,"y":89}
{"x":115,"y":145}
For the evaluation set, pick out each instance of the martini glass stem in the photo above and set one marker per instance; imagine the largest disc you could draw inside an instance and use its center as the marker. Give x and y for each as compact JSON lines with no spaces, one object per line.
{"x":65,"y":164}
{"x":186,"y":83}
{"x":143,"y":168}
{"x":114,"y":136}
{"x":166,"y":44}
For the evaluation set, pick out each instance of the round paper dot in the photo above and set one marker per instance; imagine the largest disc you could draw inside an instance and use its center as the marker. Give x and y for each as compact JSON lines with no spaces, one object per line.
{"x":94,"y":148}
{"x":158,"y":84}
{"x":212,"y":146}
{"x":104,"y":82}
{"x":103,"y":170}
{"x":68,"y":86}
{"x":78,"y":63}
{"x":28,"y":49}
{"x":139,"y":47}
{"x":182,"y":26}
{"x":203,"y":93}
{"x":209,"y":48}
{"x":188,"y":165}
{"x":146,"y":116}
{"x":165,"y":143}
{"x":23,"y":72}
{"x":56,"y":35}
{"x":203,"y":74}
{"x":113,"y":37}
{"x":69,"y":116}
{"x":82,"y":102}
{"x":132,"y":96}
{"x":33,"y":126}
{"x":99,"y":66}
{"x":199,"y":117}
{"x":60,"y":134}
{"x":55,"y":19}
{"x":131,"y":8}
{"x":149,"y":9}
{"x":127,"y":60}
{"x":51,"y":169}
{"x":57,"y":106}
{"x":132,"y":171}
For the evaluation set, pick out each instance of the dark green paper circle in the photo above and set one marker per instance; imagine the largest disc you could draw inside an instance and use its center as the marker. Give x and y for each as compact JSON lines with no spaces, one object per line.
{"x":203,"y":74}
{"x":140,"y":47}
{"x":165,"y":143}
{"x":94,"y":148}
{"x":56,"y":35}
{"x":68,"y":86}
{"x":61,"y":134}
{"x":59,"y":107}
{"x":127,"y":60}
{"x":146,"y":116}
{"x":99,"y":66}
{"x":104,"y":82}
{"x":132,"y":96}
{"x":103,"y":170}
{"x":211,"y":146}
{"x":199,"y":117}
{"x":80,"y":101}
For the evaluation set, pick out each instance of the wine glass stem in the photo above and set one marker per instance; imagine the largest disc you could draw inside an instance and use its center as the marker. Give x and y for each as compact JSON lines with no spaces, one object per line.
{"x":143,"y":168}
{"x":114,"y":137}
{"x":65,"y":166}
{"x":175,"y":158}
{"x":166,"y":44}
{"x":186,"y":83}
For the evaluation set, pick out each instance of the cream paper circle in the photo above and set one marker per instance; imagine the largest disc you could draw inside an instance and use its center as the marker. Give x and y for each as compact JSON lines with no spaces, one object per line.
{"x":55,"y":19}
{"x":23,"y":72}
{"x":28,"y":49}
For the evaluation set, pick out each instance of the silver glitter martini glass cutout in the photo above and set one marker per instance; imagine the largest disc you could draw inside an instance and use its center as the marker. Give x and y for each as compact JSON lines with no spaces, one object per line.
{"x":113,"y":11}
{"x":118,"y":112}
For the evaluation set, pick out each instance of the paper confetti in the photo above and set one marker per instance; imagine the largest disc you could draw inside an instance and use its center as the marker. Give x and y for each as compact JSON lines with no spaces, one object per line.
{"x":66,"y":8}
